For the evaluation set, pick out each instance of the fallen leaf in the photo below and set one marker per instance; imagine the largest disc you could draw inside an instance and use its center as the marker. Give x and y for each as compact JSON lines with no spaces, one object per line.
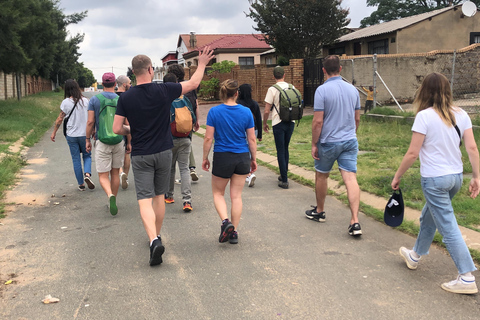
{"x":8,"y":282}
{"x":49,"y":299}
{"x":56,"y":203}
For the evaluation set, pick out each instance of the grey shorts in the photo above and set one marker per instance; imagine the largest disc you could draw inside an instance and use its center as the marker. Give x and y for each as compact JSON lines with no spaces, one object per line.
{"x":152,"y":174}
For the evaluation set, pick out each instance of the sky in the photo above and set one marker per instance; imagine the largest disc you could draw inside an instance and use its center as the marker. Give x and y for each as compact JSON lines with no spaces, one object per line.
{"x":116,"y":31}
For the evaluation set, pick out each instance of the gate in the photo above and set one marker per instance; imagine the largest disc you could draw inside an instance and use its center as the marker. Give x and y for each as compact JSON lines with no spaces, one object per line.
{"x":312,"y":78}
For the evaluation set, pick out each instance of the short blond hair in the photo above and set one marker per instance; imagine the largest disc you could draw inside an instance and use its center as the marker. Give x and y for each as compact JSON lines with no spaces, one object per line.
{"x":140,"y":64}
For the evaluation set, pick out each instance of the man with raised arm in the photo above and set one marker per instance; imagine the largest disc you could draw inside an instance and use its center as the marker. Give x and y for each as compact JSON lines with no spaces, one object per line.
{"x":147,"y":108}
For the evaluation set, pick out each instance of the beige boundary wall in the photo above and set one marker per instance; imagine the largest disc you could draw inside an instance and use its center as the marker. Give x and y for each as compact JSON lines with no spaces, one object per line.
{"x":403,"y":73}
{"x":28,"y":85}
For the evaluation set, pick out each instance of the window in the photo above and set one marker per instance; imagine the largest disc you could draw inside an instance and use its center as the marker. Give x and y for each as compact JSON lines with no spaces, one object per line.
{"x":337,"y":51}
{"x":378,"y":47}
{"x":474,"y":37}
{"x":269,"y":60}
{"x":246,"y":61}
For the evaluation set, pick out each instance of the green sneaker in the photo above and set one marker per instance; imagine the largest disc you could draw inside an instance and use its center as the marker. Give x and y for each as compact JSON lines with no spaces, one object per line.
{"x":113,"y":205}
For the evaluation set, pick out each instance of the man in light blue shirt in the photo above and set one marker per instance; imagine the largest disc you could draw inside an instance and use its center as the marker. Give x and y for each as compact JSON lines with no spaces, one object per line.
{"x":335,"y":122}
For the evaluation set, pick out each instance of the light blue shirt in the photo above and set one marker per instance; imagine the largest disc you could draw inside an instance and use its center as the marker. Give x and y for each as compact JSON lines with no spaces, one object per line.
{"x":338,"y":100}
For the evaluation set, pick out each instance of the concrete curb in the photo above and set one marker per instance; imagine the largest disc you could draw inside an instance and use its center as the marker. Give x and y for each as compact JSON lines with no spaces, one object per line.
{"x":471,"y":237}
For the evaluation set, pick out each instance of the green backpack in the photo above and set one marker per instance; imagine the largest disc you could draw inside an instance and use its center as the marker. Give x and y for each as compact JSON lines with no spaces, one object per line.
{"x":108,"y":107}
{"x":291,"y":104}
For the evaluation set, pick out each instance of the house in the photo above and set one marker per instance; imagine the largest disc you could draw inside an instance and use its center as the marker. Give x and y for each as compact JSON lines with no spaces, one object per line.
{"x":442,"y":29}
{"x":243,"y":49}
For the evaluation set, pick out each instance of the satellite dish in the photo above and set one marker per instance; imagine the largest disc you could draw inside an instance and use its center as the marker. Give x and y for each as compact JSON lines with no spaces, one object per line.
{"x":469,"y":8}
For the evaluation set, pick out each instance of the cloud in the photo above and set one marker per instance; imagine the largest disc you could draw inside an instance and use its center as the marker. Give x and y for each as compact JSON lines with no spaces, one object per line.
{"x":116,"y":31}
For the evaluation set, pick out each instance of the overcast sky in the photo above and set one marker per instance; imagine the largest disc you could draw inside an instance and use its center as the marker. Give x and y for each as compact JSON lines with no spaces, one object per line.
{"x":116,"y":31}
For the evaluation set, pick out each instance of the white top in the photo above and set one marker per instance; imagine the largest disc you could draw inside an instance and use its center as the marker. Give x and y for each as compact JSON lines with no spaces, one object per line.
{"x":440,"y":153}
{"x":273,"y":97}
{"x":77,"y":124}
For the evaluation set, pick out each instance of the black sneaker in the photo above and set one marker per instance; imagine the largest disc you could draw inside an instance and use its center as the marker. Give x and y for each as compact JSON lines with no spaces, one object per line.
{"x":312,"y":214}
{"x":89,"y":182}
{"x":156,"y":251}
{"x":355,"y":229}
{"x":233,"y":237}
{"x":225,"y":230}
{"x":283,"y":185}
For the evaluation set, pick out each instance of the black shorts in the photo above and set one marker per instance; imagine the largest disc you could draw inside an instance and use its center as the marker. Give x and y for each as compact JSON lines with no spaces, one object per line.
{"x":226,"y":164}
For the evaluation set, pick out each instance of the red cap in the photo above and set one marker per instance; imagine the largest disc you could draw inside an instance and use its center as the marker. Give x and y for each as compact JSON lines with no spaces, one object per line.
{"x":108,"y":77}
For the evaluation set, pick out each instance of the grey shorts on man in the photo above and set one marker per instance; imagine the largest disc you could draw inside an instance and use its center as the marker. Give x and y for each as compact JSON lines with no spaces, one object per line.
{"x":152,"y":174}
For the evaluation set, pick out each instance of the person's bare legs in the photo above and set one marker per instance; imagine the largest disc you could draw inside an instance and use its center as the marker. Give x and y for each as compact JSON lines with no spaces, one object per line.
{"x":353,"y":193}
{"x":237,"y":182}
{"x":104,"y":179}
{"x":321,"y":189}
{"x":218,"y":191}
{"x":152,"y":212}
{"x":115,"y":180}
{"x":126,"y":164}
{"x":159,"y":210}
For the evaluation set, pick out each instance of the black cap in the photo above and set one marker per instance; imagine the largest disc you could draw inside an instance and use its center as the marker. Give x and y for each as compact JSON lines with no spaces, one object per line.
{"x":393,"y":215}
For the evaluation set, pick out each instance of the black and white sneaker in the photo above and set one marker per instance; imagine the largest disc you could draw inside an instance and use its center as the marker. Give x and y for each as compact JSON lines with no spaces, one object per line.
{"x":355,"y":229}
{"x":156,"y":251}
{"x":312,"y":214}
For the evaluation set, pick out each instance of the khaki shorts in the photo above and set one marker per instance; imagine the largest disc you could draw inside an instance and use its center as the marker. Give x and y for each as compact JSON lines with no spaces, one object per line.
{"x":109,"y":156}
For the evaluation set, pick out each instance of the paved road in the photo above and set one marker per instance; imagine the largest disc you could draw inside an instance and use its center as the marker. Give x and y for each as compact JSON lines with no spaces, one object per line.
{"x":284,"y":267}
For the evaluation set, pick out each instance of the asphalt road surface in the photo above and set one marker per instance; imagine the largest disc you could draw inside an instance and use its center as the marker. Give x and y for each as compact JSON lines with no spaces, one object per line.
{"x":61,"y":242}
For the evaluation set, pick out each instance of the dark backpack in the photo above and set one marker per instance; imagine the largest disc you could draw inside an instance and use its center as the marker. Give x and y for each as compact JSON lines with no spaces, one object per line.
{"x":108,"y":107}
{"x":182,"y":117}
{"x":291,"y":106}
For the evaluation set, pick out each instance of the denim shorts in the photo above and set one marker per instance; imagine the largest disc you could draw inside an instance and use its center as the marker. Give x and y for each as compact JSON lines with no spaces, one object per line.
{"x":344,"y":152}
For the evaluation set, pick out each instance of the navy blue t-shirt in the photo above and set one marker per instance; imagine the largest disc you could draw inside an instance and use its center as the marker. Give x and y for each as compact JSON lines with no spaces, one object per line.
{"x":147,"y":108}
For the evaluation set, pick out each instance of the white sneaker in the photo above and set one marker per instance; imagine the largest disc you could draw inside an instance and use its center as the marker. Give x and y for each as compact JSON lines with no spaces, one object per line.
{"x":461,"y":285}
{"x":406,"y":254}
{"x":124,"y":180}
{"x":251,"y":180}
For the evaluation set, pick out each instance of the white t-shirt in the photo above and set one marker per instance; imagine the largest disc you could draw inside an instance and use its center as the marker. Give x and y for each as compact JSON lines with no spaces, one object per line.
{"x":440,"y":153}
{"x":77,"y":124}
{"x":273,"y":97}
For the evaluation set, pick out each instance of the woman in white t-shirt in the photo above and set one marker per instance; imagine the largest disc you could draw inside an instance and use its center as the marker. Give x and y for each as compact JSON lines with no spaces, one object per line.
{"x":436,"y":137}
{"x":75,"y":106}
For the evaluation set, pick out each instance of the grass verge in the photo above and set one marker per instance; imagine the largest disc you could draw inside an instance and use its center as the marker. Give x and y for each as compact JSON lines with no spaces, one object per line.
{"x":28,"y":118}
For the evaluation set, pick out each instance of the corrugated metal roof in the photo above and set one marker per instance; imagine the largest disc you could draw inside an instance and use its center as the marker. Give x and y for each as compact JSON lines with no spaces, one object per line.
{"x":392,"y":26}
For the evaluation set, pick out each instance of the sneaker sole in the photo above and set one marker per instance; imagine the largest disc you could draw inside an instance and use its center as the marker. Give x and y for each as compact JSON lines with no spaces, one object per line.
{"x":169,"y":202}
{"x":252,"y":182}
{"x":315,"y":219}
{"x":356,"y":233}
{"x":233,"y":241}
{"x":89,"y":183}
{"x":124,"y":182}
{"x":224,"y":237}
{"x":464,"y":291}
{"x":407,"y":262}
{"x":113,"y":206}
{"x":194,"y":176}
{"x":187,"y":209}
{"x":157,"y":253}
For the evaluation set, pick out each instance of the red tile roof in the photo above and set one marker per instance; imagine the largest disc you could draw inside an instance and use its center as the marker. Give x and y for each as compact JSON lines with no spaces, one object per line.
{"x":227,"y":41}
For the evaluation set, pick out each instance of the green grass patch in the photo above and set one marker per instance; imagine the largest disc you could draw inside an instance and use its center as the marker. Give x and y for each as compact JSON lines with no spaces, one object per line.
{"x":392,"y":112}
{"x":9,"y":167}
{"x":382,"y":147}
{"x":36,"y":112}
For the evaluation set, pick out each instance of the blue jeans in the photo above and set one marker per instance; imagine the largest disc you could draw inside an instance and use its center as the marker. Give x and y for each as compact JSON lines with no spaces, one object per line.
{"x":344,"y":152}
{"x":282,"y":132}
{"x":77,"y":146}
{"x":438,"y":214}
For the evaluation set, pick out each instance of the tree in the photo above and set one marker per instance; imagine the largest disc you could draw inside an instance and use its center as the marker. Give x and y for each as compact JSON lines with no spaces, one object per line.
{"x":299,"y":28}
{"x":389,"y":10}
{"x":209,"y":88}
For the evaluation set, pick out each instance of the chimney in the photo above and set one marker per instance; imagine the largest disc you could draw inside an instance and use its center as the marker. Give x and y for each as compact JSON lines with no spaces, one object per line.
{"x":193,"y":40}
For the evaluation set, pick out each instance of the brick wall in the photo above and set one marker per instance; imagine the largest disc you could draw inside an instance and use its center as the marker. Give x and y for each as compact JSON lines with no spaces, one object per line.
{"x":28,"y":85}
{"x":260,"y":77}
